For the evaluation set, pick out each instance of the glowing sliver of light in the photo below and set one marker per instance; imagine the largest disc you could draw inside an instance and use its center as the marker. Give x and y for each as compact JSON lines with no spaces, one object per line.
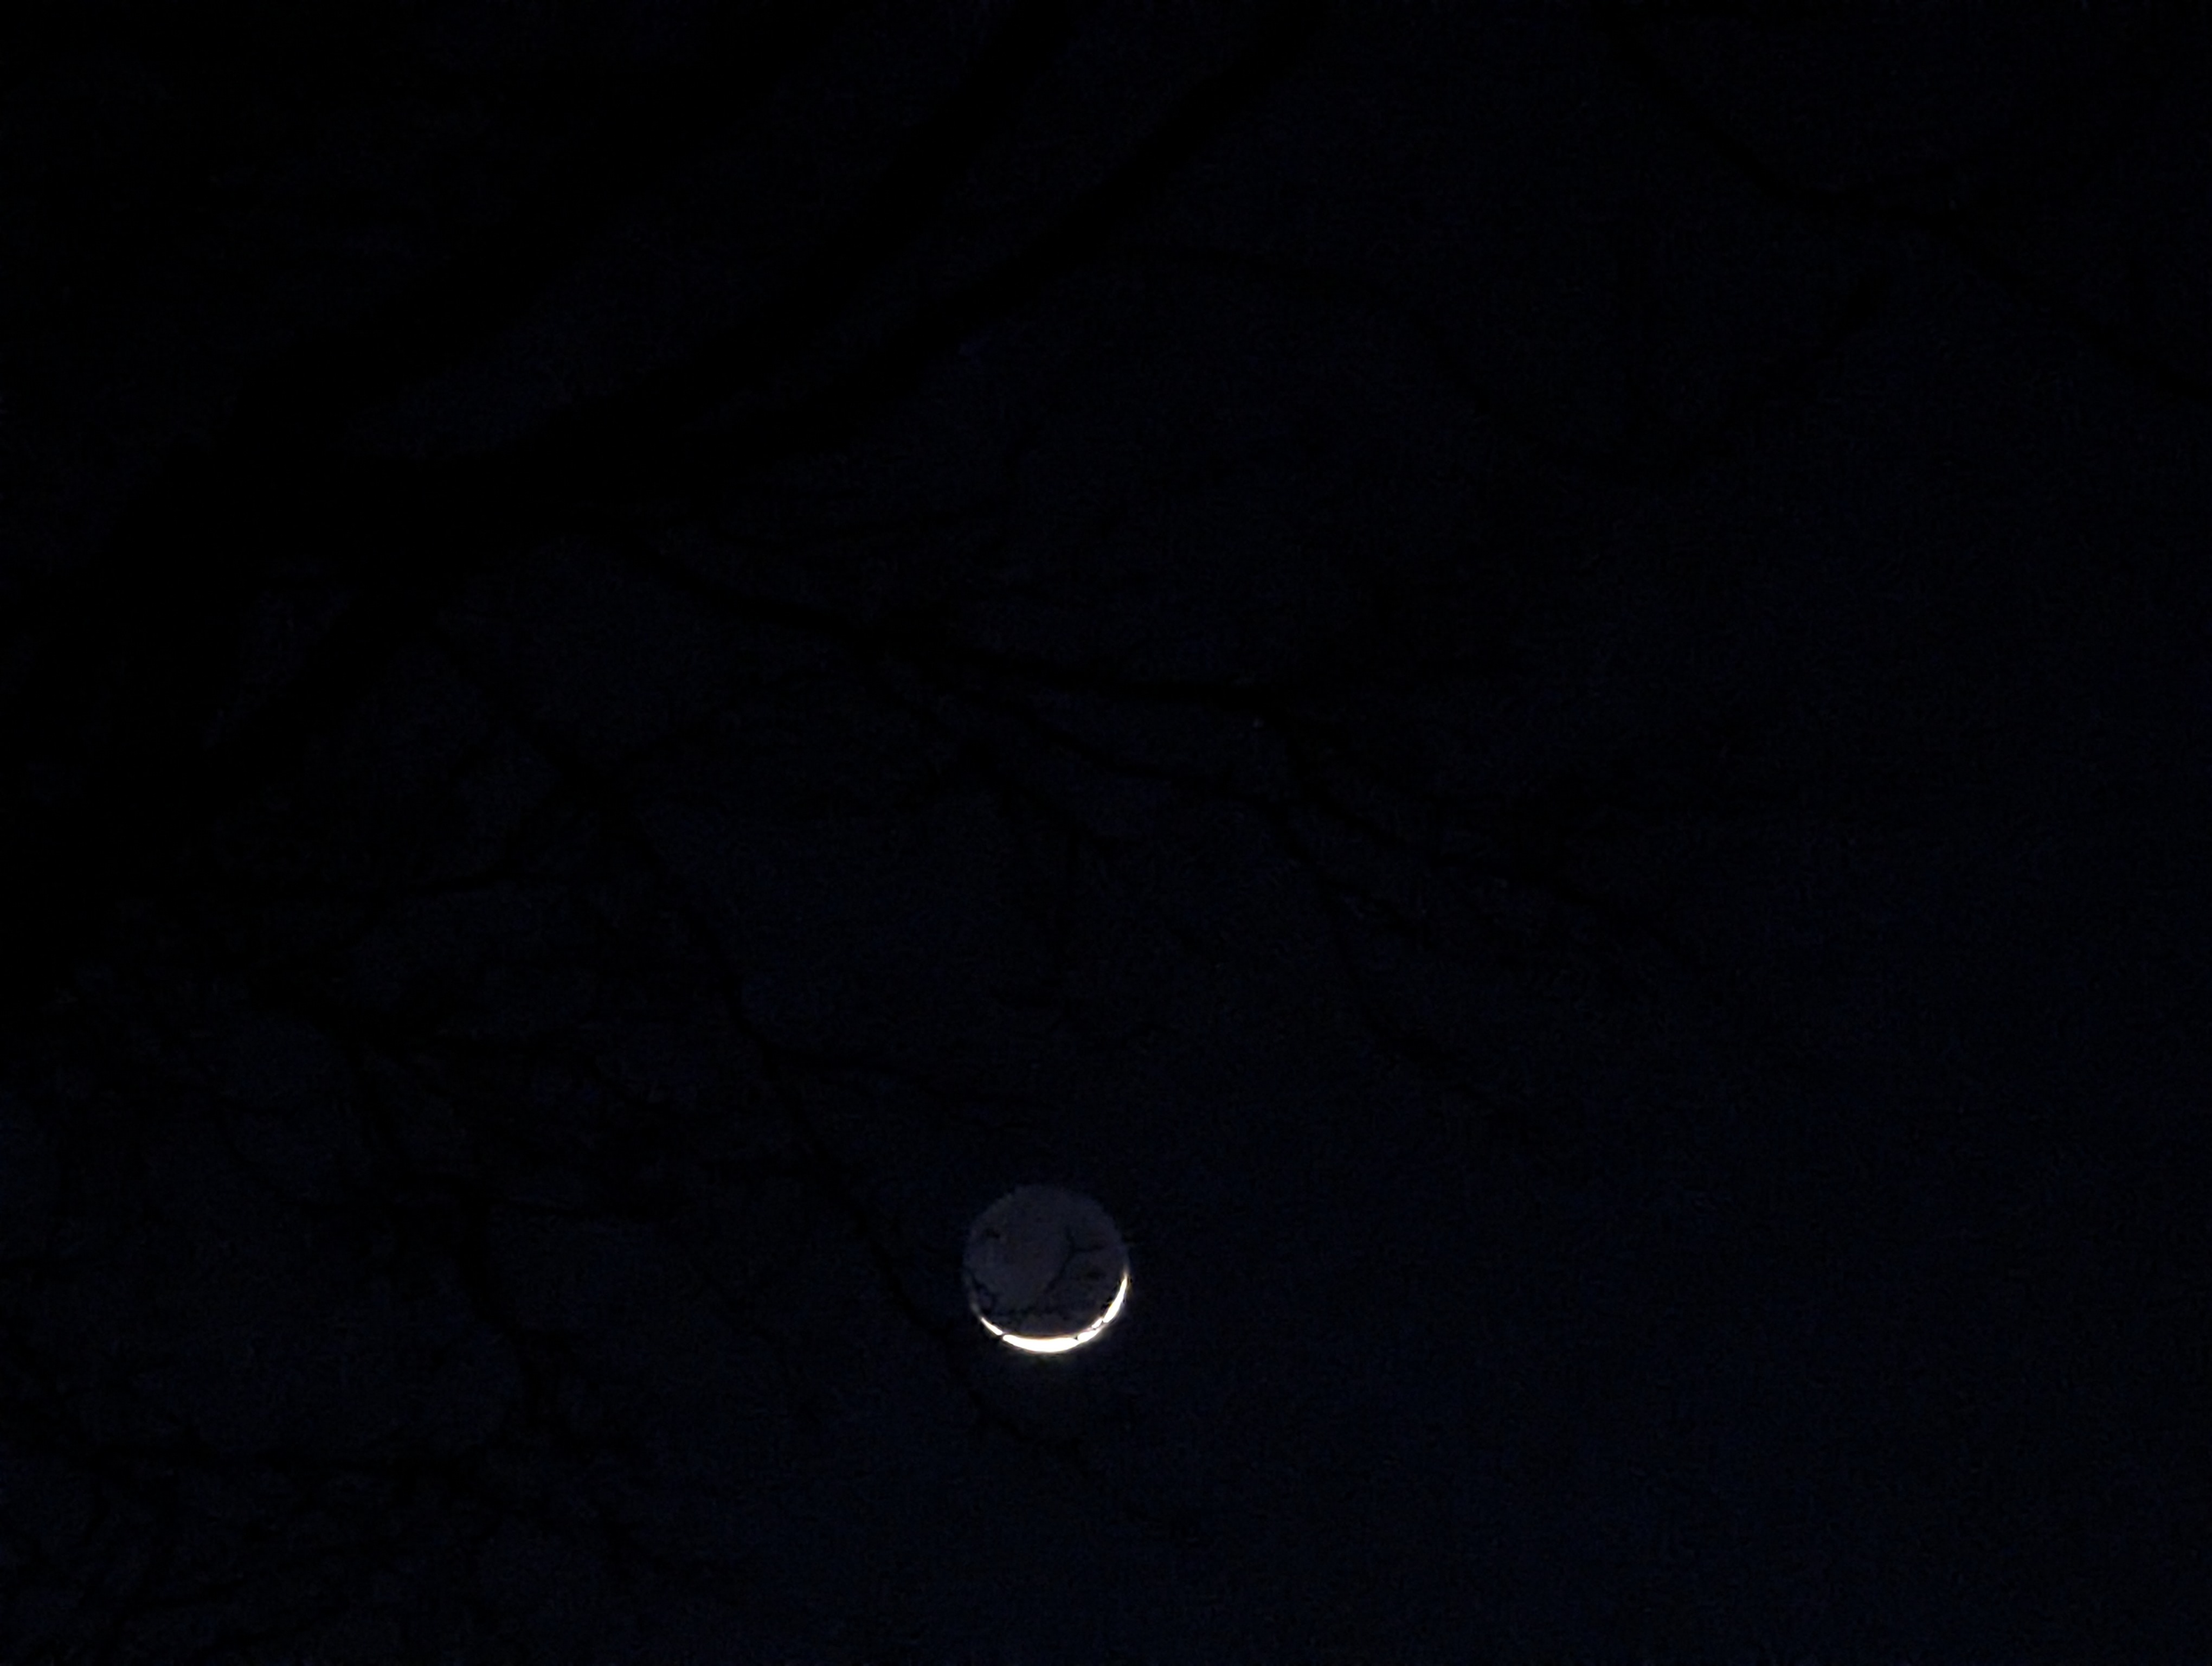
{"x":1063,"y":1344}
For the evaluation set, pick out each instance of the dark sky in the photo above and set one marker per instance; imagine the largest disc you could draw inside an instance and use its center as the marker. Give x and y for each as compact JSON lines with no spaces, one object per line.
{"x":1533,"y":681}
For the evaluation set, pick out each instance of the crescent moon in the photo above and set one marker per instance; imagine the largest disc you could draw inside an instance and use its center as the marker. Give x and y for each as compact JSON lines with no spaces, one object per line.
{"x":1046,"y":1270}
{"x":1062,"y":1344}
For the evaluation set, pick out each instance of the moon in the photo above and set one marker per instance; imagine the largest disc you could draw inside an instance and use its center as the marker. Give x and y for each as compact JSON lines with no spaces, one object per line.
{"x":1046,"y":1270}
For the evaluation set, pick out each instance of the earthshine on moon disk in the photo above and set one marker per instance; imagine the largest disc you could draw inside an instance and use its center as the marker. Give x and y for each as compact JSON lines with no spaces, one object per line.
{"x":1046,"y":1269}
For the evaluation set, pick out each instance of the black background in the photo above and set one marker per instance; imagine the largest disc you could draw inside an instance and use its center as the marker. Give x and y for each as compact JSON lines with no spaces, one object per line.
{"x":1533,"y":680}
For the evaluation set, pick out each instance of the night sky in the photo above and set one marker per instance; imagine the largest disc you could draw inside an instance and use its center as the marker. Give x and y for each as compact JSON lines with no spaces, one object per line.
{"x":1533,"y":681}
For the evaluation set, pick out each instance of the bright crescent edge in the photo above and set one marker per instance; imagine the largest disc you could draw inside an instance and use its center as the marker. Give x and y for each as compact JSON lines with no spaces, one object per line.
{"x":1063,"y":1344}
